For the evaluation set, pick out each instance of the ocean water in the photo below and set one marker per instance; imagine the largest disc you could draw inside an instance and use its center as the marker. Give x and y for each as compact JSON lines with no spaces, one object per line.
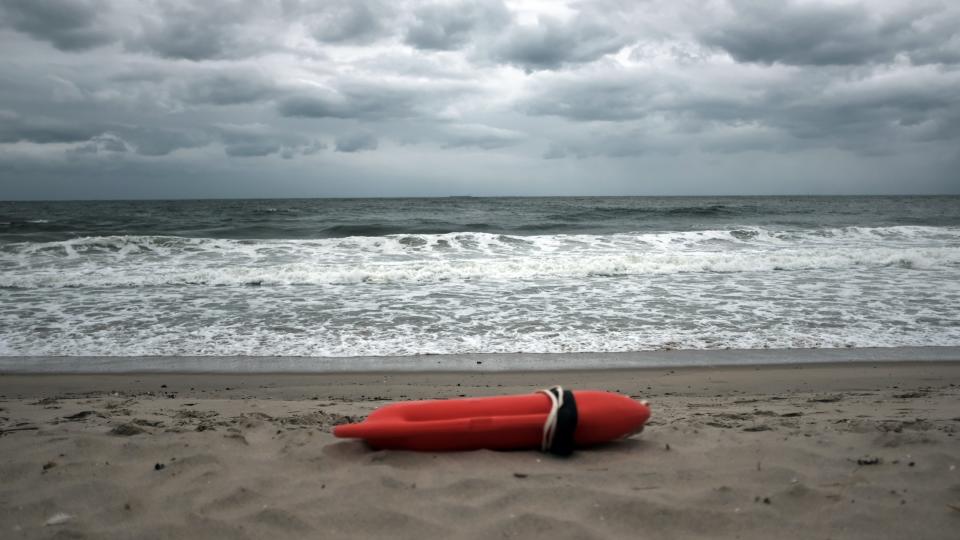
{"x":396,"y":277}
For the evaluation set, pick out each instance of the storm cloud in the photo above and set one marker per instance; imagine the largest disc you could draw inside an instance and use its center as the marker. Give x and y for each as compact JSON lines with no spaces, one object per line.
{"x":350,"y":102}
{"x":843,"y":34}
{"x":450,"y":26}
{"x":487,"y":97}
{"x":37,"y":129}
{"x":346,"y":21}
{"x":357,"y":142}
{"x":551,"y":44}
{"x":67,"y":25}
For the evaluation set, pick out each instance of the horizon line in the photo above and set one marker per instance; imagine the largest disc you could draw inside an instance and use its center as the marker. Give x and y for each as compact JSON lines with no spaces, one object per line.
{"x":180,"y":199}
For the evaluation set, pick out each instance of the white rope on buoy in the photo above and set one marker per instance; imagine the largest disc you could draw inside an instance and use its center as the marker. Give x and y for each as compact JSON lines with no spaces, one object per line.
{"x":550,"y":426}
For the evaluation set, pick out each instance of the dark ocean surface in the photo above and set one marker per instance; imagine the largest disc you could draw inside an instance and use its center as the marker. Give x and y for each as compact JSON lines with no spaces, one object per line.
{"x":273,"y":219}
{"x":376,"y":277}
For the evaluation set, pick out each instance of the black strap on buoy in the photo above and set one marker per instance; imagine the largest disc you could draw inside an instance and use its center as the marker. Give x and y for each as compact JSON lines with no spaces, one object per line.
{"x":566,"y":424}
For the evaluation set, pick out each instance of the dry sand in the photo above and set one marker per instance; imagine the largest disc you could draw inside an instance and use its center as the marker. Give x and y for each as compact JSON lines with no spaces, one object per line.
{"x":812,"y":451}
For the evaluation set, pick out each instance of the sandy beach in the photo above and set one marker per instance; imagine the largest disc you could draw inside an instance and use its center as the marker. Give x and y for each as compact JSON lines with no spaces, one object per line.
{"x":865,"y":450}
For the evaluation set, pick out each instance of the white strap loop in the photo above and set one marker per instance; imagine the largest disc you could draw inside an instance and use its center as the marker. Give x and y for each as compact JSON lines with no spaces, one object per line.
{"x":550,"y":426}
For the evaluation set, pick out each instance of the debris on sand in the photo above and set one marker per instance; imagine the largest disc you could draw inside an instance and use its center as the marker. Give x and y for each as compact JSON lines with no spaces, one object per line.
{"x":126,"y":430}
{"x":81,"y":416}
{"x":57,"y":519}
{"x":148,"y":423}
{"x":868,"y":460}
{"x":18,"y":428}
{"x":826,"y":399}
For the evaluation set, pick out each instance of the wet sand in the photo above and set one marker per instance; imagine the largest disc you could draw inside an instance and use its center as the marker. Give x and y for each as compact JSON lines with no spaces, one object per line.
{"x":865,"y":450}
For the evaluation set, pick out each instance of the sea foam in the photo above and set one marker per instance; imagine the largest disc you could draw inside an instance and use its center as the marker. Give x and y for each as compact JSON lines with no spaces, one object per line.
{"x":478,"y":292}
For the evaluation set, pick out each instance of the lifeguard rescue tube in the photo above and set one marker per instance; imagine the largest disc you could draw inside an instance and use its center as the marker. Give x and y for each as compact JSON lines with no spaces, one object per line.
{"x":582,"y":418}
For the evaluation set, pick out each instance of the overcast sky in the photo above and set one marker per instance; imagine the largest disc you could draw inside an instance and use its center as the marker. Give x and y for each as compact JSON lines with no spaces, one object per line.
{"x":277,"y":98}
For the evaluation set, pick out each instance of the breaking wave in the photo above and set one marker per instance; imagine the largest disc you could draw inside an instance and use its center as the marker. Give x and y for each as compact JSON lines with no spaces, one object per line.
{"x":140,"y":261}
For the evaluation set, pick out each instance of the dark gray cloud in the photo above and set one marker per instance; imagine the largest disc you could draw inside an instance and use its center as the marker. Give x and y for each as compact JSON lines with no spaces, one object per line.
{"x":327,"y":105}
{"x":447,"y":27}
{"x":252,"y":149}
{"x":173,"y":29}
{"x":368,"y":100}
{"x":197,"y":31}
{"x":307,"y":148}
{"x":101,"y":144}
{"x":618,"y":98}
{"x":153,"y":141}
{"x":146,"y":141}
{"x":493,"y":33}
{"x":551,"y":44}
{"x":174,"y":85}
{"x":192,"y":31}
{"x":259,"y":140}
{"x":68,"y":25}
{"x":357,"y":142}
{"x":221,"y":87}
{"x":814,"y":108}
{"x":43,"y":130}
{"x":426,"y":91}
{"x":184,"y":38}
{"x":834,"y":34}
{"x":343,"y":21}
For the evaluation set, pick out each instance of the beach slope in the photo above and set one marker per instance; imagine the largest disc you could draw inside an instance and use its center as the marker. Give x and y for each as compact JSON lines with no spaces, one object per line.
{"x":807,"y":451}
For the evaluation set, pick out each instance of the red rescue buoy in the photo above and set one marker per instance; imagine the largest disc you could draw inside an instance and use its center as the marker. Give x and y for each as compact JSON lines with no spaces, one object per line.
{"x":501,"y":423}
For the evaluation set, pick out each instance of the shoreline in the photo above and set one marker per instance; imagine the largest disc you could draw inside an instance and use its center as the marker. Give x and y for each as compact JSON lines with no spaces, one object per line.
{"x":472,"y":362}
{"x":646,"y":382}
